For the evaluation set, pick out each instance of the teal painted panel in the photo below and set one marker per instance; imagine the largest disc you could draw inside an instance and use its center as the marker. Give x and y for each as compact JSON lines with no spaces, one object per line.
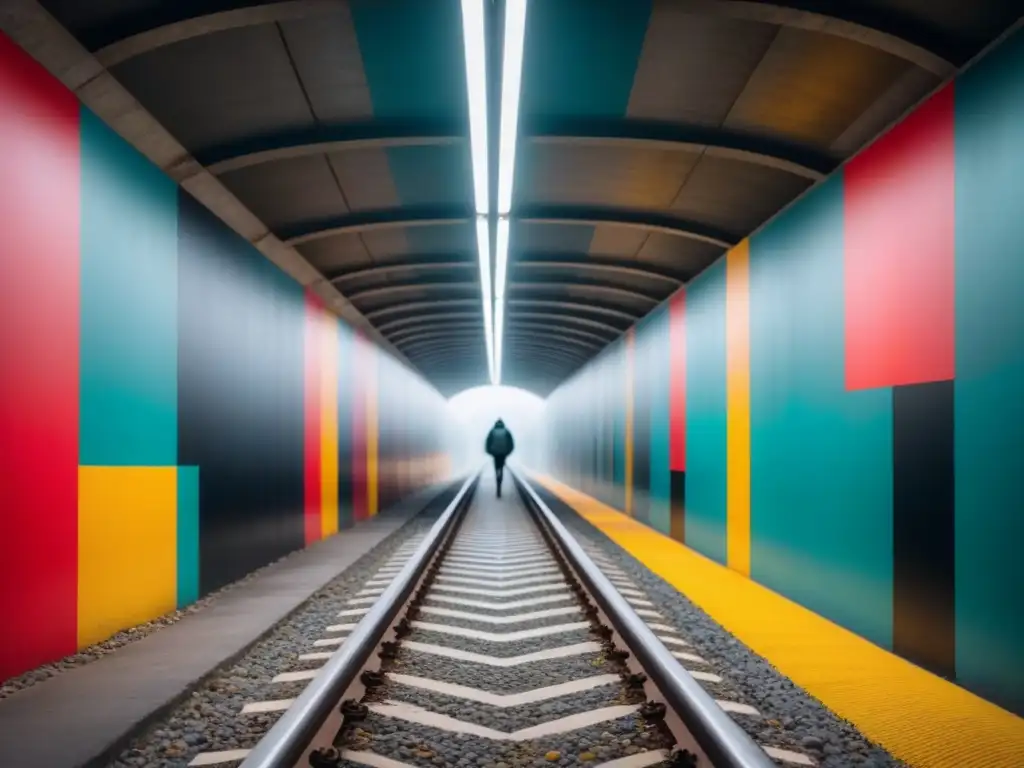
{"x":660,"y":477}
{"x":705,"y":414}
{"x":188,"y":535}
{"x":129,"y":305}
{"x":989,"y":407}
{"x":416,"y":70}
{"x":617,"y":374}
{"x":413,"y":58}
{"x":821,"y":457}
{"x":580,"y":56}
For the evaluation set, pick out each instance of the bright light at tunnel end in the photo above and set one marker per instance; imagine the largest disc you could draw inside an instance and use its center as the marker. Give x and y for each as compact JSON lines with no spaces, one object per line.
{"x":474,"y":42}
{"x":511,"y":80}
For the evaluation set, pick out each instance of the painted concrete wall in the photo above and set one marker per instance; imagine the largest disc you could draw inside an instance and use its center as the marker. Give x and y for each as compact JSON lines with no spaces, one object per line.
{"x":835,"y":407}
{"x":174,"y":410}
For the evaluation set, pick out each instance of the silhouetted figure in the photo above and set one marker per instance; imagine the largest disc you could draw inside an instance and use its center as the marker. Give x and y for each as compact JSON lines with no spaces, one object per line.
{"x":500,"y":446}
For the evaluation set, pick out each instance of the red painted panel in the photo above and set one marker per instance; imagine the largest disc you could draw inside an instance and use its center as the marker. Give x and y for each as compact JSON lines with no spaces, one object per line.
{"x":677,"y":382}
{"x":311,"y":411}
{"x":360,"y":503}
{"x":39,"y":332}
{"x":899,"y":251}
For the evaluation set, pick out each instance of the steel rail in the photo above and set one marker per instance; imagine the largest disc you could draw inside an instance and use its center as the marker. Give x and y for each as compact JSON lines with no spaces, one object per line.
{"x":286,"y":742}
{"x":725,"y":743}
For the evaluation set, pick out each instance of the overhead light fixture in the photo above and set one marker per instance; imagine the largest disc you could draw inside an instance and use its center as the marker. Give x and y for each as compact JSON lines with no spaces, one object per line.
{"x":474,"y":43}
{"x":511,"y":85}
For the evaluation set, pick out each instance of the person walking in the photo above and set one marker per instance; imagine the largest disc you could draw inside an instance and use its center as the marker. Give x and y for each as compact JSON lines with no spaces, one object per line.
{"x":500,"y":446}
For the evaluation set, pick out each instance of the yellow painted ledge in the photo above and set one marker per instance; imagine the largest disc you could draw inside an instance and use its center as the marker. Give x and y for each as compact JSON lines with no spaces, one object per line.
{"x":915,"y":715}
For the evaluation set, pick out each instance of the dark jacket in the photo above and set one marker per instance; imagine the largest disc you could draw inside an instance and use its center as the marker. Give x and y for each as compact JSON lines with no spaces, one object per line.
{"x":499,"y":442}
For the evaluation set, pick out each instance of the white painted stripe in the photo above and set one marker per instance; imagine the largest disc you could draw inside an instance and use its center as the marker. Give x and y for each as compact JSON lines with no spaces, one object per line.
{"x":340,"y":627}
{"x":371,"y":759}
{"x":556,"y":587}
{"x":628,"y":592}
{"x":707,"y":677}
{"x":661,"y":627}
{"x":737,"y":708}
{"x":504,"y":582}
{"x":632,"y":600}
{"x":688,"y":657}
{"x":668,"y":640}
{"x":318,"y":656}
{"x":420,"y":716}
{"x":563,"y":652}
{"x":329,"y":641}
{"x":378,"y":582}
{"x":648,"y":613}
{"x":504,"y":575}
{"x":500,"y":637}
{"x":489,"y":546}
{"x":484,"y":618}
{"x":280,"y":705}
{"x":491,"y":567}
{"x":213,"y":758}
{"x":371,"y":591}
{"x":787,"y":756}
{"x":363,"y":600}
{"x":498,"y":562}
{"x":509,"y":700}
{"x":639,"y":760}
{"x":387,"y":573}
{"x":621,"y":584}
{"x":511,"y":605}
{"x":489,"y":538}
{"x":292,"y":677}
{"x":501,"y":554}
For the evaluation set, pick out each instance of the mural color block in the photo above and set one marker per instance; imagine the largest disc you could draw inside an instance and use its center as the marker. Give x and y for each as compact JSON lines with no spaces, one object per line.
{"x":127,"y":550}
{"x":39,"y":360}
{"x":677,"y":417}
{"x":328,"y":424}
{"x":312,"y":422}
{"x":188,"y":535}
{"x":737,"y":332}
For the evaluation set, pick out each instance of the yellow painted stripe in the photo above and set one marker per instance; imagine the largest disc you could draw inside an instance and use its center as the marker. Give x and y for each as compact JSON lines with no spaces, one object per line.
{"x":372,"y":435}
{"x":629,"y":422}
{"x":917,"y":716}
{"x":127,"y":548}
{"x":328,"y":426}
{"x":737,"y":334}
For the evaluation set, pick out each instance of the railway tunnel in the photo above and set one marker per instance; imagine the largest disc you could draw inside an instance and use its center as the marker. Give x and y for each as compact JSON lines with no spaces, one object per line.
{"x":757,"y":264}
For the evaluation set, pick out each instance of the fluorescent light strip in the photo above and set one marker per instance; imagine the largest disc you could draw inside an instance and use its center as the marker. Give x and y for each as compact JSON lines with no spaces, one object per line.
{"x":474,"y":43}
{"x":511,"y":80}
{"x":476,"y":86}
{"x":501,"y":273}
{"x":483,"y":247}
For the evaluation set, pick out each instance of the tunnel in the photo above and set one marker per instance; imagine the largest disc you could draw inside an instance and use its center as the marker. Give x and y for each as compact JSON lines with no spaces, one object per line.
{"x":743,"y":279}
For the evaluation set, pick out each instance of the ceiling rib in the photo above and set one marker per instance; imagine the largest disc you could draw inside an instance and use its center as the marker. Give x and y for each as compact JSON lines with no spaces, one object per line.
{"x":572,"y":306}
{"x":524,"y":261}
{"x":551,"y":341}
{"x":608,"y":290}
{"x":894,"y":36}
{"x":469,"y":329}
{"x":400,"y":218}
{"x":433,"y":320}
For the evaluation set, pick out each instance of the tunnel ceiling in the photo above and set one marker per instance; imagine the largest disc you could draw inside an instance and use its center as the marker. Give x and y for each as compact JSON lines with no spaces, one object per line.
{"x":652,"y":137}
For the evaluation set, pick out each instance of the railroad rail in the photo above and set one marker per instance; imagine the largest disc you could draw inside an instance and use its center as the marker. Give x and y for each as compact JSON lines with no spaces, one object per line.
{"x":678,"y":721}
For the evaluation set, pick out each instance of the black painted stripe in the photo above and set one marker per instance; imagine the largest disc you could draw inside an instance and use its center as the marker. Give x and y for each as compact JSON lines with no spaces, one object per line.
{"x":923,"y":526}
{"x":677,"y":515}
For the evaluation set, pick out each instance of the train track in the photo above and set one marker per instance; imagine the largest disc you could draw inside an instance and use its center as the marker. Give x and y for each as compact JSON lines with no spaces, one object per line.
{"x":497,"y":640}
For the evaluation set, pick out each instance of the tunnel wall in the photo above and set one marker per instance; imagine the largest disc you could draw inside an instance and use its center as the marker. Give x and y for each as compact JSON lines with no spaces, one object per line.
{"x":836,"y":407}
{"x":175,"y":411}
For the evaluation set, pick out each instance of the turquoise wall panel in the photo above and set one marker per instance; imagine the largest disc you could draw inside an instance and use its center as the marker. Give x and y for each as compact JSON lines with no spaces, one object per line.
{"x":129,"y":305}
{"x":706,"y":414}
{"x":188,"y":535}
{"x":821,"y":457}
{"x":989,"y":385}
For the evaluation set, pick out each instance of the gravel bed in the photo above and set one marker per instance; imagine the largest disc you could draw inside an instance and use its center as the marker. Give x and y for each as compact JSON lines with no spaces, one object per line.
{"x":503,"y":650}
{"x":791,"y":718}
{"x":121,"y":639}
{"x":511,"y":719}
{"x":429,"y":747}
{"x":210,"y":720}
{"x":524,"y":677}
{"x":547,"y":621}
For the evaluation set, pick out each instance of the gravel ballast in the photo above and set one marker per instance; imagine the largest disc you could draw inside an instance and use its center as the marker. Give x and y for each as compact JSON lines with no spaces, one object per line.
{"x":210,"y":719}
{"x":790,"y":718}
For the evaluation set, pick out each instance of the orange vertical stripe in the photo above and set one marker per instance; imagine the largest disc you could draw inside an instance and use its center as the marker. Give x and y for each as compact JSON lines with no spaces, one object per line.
{"x":372,"y":431}
{"x":328,"y":425}
{"x":737,"y":333}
